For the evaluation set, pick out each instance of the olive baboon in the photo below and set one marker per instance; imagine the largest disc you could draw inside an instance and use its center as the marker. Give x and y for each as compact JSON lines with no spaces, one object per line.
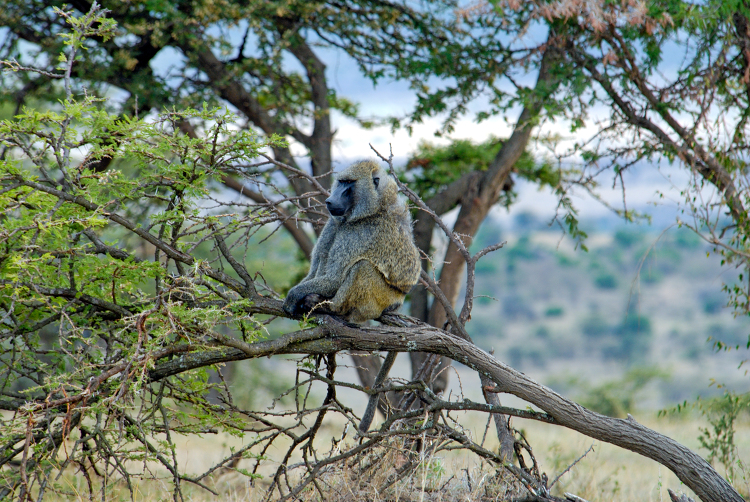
{"x":365,"y":260}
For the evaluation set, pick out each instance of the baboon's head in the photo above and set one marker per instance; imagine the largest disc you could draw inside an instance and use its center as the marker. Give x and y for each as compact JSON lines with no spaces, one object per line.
{"x":361,"y":190}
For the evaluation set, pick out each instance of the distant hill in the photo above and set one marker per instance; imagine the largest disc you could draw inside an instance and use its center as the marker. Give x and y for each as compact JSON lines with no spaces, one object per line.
{"x":638,"y":299}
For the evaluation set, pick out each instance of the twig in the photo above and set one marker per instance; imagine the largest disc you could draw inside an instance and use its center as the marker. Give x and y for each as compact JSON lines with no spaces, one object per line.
{"x":557,"y":478}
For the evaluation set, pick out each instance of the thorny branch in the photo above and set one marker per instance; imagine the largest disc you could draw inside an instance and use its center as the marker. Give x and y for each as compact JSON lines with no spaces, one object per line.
{"x":121,"y":287}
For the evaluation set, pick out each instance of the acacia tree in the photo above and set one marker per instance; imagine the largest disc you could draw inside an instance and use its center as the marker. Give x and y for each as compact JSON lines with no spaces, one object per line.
{"x":121,"y":282}
{"x":674,"y":79}
{"x":237,"y":53}
{"x":653,"y":84}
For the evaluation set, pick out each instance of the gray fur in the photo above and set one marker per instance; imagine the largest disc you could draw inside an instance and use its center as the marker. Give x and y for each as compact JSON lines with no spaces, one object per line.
{"x":365,"y":261}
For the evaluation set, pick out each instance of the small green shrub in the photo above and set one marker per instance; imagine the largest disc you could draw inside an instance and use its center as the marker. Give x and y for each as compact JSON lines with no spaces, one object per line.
{"x":718,"y":438}
{"x":606,"y":281}
{"x":713,"y":302}
{"x":542,"y":332}
{"x":635,"y":336}
{"x":686,"y":239}
{"x":554,"y":311}
{"x":626,"y":237}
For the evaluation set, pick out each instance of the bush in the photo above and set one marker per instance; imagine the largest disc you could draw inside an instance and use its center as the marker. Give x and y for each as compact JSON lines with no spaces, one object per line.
{"x":713,"y":302}
{"x":595,"y":326}
{"x":515,"y":307}
{"x":542,"y":332}
{"x":108,"y":272}
{"x":523,"y":250}
{"x":518,"y":356}
{"x":686,"y":239}
{"x":626,"y":237}
{"x":554,"y":311}
{"x":565,"y":260}
{"x":634,"y":337}
{"x":718,"y":438}
{"x":606,"y":281}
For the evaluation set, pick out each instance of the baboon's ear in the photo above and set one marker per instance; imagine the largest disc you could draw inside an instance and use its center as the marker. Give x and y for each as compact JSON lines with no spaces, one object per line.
{"x":376,"y":180}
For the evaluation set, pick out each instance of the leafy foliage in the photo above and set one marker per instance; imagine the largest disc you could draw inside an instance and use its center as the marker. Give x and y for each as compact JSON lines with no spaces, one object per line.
{"x":719,"y":438}
{"x":122,"y":261}
{"x":103,"y":273}
{"x":432,"y":167}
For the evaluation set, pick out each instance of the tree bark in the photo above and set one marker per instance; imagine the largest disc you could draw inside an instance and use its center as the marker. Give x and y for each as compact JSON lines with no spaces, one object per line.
{"x":424,"y":226}
{"x":368,"y":366}
{"x":319,"y":141}
{"x":481,"y":196}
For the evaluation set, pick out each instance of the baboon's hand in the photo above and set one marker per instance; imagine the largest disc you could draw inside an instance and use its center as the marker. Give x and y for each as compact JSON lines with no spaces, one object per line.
{"x":293,"y":303}
{"x":297,"y":305}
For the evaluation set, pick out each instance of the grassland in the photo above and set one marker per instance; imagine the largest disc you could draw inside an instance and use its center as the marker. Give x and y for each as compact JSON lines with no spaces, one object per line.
{"x":607,"y":473}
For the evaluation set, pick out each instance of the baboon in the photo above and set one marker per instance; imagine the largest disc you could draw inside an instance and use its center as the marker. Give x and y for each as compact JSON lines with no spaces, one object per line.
{"x":365,"y":261}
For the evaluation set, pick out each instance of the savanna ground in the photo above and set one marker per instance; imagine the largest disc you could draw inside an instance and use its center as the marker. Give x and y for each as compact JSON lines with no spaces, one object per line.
{"x":606,"y":473}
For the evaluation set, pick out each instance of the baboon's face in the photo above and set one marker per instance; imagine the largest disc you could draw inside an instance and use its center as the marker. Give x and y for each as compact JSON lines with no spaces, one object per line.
{"x":347,"y":192}
{"x":342,"y":198}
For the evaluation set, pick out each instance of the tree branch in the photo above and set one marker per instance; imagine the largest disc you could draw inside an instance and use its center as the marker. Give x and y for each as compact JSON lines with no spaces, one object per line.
{"x":319,"y":142}
{"x":290,"y":224}
{"x":335,"y":336}
{"x":222,"y":80}
{"x":481,"y":196}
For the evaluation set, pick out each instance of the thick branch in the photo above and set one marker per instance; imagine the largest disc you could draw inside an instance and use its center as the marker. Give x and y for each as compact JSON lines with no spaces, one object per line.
{"x":424,"y":224}
{"x":319,"y":142}
{"x":334,"y":336}
{"x":480,"y":197}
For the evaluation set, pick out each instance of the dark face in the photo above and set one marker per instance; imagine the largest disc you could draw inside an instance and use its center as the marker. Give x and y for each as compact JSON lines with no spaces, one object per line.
{"x":342,"y":198}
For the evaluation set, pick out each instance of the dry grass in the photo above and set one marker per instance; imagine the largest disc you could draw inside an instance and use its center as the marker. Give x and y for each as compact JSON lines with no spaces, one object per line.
{"x":606,"y":474}
{"x":392,"y":473}
{"x":610,"y":473}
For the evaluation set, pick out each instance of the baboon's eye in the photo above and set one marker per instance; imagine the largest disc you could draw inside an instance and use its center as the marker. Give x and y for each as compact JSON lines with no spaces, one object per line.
{"x":376,"y":181}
